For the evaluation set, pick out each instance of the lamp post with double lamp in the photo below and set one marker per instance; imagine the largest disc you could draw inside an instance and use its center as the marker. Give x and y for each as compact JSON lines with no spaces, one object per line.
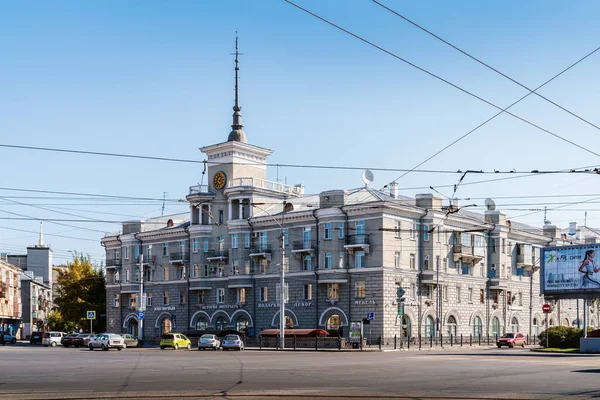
{"x":282,"y":294}
{"x":532,"y":270}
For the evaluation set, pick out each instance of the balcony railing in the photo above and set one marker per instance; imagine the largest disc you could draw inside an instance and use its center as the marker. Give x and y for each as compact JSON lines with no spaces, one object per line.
{"x":304,"y":245}
{"x":360,"y":239}
{"x":261,"y":250}
{"x":148,"y":260}
{"x":268,"y":185}
{"x":200,"y":189}
{"x":217,"y":255}
{"x":462,"y":249}
{"x":113,"y":262}
{"x":179,"y":256}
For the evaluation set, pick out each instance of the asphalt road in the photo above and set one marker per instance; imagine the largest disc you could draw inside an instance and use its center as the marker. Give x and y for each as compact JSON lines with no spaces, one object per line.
{"x":51,"y":373}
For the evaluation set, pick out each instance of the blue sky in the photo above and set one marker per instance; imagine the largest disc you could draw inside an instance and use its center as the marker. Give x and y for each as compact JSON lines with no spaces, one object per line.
{"x":156,"y":78}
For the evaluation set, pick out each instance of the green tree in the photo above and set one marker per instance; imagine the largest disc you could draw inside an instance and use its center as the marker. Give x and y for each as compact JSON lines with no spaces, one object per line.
{"x":81,"y":288}
{"x":57,"y":323}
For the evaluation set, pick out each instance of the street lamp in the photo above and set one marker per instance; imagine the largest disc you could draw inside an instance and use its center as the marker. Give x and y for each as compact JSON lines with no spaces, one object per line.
{"x":282,"y":276}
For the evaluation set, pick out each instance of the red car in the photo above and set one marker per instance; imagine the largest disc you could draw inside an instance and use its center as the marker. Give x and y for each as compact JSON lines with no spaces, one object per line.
{"x":512,"y":340}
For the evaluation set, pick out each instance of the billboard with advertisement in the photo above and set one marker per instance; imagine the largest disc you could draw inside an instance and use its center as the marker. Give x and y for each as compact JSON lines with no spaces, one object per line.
{"x":570,"y":270}
{"x":355,"y":331}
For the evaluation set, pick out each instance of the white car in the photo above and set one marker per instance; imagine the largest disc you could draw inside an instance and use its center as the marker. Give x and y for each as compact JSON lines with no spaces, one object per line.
{"x":107,"y":341}
{"x":232,"y":342}
{"x":8,"y":338}
{"x":209,"y":342}
{"x":52,"y":338}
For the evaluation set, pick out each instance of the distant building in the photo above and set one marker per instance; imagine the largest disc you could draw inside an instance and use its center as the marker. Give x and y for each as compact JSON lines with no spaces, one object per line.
{"x":36,"y":299}
{"x":10,"y":298}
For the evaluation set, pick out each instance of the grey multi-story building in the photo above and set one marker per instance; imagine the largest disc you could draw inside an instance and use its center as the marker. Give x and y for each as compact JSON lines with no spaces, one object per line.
{"x":346,"y":254}
{"x":36,"y":300}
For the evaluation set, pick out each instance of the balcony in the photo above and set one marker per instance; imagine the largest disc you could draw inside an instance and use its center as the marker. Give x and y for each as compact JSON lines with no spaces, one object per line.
{"x":113,"y":263}
{"x":262,"y":251}
{"x":358,"y":242}
{"x":497,"y":283}
{"x":255,"y":183}
{"x":468,"y":254}
{"x":525,"y":261}
{"x":148,"y":261}
{"x":217,"y":255}
{"x":130,"y":288}
{"x":428,"y":277}
{"x":179,"y":257}
{"x":304,"y":247}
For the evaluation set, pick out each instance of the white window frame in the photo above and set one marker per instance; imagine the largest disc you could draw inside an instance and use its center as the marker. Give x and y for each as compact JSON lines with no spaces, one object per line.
{"x":195,"y":245}
{"x":327,"y":231}
{"x":426,"y":233}
{"x":359,"y":259}
{"x":165,"y":250}
{"x":412,"y":261}
{"x":340,"y":230}
{"x":234,"y":241}
{"x":246,"y":240}
{"x":341,"y":258}
{"x":397,"y":259}
{"x":360,"y":291}
{"x":328,"y":260}
{"x":241,"y":295}
{"x":398,"y":230}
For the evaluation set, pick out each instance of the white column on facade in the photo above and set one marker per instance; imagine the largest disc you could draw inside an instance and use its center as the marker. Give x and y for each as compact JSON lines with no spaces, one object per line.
{"x":250,"y":208}
{"x":209,"y":214}
{"x":241,"y":207}
{"x":229,"y":209}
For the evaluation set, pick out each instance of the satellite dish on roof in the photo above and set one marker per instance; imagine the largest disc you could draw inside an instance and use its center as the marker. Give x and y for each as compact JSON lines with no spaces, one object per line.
{"x":367,"y":177}
{"x":490,"y":205}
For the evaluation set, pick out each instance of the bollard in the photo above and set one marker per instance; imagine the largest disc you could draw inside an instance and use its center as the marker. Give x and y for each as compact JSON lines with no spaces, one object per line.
{"x":260,"y":342}
{"x":339,"y":343}
{"x":361,"y":342}
{"x":419,"y":341}
{"x":379,"y":342}
{"x":480,"y":340}
{"x":451,"y":341}
{"x":395,"y":341}
{"x":294,"y":342}
{"x":316,"y":343}
{"x":430,"y":341}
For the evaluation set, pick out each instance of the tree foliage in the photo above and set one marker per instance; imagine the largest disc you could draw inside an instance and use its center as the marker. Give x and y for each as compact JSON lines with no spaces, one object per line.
{"x":81,"y":288}
{"x":57,"y":323}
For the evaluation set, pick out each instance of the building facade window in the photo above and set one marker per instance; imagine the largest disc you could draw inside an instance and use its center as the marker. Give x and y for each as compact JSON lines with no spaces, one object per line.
{"x":307,"y":263}
{"x":397,"y":259}
{"x":149,"y":299}
{"x":264,"y":293}
{"x":241,"y":295}
{"x":327,"y":234}
{"x":220,"y":295}
{"x":413,"y":231}
{"x":360,"y":290}
{"x":333,"y":291}
{"x":246,"y":240}
{"x":359,"y":261}
{"x":328,"y":260}
{"x":117,"y":300}
{"x":182,"y":297}
{"x":411,"y":260}
{"x":398,"y":230}
{"x":426,"y":233}
{"x":341,"y":260}
{"x":458,"y":294}
{"x":165,"y":298}
{"x":165,"y":249}
{"x":195,"y":245}
{"x":125,"y":253}
{"x":308,"y":291}
{"x":477,"y":326}
{"x":205,"y":245}
{"x":470,"y":295}
{"x":234,"y":241}
{"x":340,"y":230}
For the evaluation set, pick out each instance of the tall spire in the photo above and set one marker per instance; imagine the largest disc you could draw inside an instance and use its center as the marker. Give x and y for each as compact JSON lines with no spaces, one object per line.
{"x":41,"y":240}
{"x":237,"y":134}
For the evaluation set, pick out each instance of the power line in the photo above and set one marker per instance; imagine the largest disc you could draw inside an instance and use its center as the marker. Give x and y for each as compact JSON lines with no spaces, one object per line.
{"x":106,"y":196}
{"x":533,"y":91}
{"x":502,"y":110}
{"x":49,"y":234}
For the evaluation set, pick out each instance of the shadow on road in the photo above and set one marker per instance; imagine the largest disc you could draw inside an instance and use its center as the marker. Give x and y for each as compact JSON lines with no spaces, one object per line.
{"x":588,"y":371}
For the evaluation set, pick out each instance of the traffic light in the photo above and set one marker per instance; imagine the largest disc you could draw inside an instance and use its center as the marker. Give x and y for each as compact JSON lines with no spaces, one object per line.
{"x":366,"y":321}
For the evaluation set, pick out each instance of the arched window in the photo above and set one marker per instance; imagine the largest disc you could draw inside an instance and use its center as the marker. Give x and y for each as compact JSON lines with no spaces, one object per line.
{"x":406,"y":328}
{"x":201,"y":324}
{"x":241,"y":325}
{"x":477,"y":327}
{"x":220,"y":324}
{"x":514,"y":324}
{"x":429,"y":326}
{"x":536,"y":327}
{"x":166,"y":325}
{"x":495,"y":327}
{"x":451,"y":326}
{"x":565,"y":322}
{"x":333,"y":323}
{"x":289,"y":322}
{"x":551,"y":322}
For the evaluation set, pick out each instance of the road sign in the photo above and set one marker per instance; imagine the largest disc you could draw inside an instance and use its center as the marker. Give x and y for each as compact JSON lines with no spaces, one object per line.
{"x":91,"y":315}
{"x":140,"y":315}
{"x":370,"y":316}
{"x":546,"y":308}
{"x":400,"y":292}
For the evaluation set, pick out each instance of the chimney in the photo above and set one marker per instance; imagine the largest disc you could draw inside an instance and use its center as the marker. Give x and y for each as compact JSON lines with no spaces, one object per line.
{"x":428,"y":201}
{"x":394,"y":190}
{"x":551,"y":231}
{"x":495,"y":217}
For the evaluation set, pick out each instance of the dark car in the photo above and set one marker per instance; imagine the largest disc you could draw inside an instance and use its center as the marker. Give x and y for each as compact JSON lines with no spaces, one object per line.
{"x":67,"y":341}
{"x":82,"y":339}
{"x":36,"y":337}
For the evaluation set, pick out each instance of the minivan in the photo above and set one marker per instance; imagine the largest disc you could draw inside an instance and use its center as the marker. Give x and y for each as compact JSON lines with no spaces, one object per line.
{"x":52,"y":338}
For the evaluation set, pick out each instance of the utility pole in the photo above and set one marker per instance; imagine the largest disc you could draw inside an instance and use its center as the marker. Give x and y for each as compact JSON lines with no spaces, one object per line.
{"x":282,"y":293}
{"x":162,"y":212}
{"x":142,"y":306}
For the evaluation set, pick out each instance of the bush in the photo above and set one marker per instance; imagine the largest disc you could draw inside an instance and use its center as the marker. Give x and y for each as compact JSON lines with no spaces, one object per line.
{"x":562,"y":337}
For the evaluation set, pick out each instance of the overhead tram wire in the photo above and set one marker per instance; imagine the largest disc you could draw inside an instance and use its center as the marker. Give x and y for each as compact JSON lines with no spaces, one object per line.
{"x":554,"y":208}
{"x":484,"y":63}
{"x":105,"y":196}
{"x":502,"y":110}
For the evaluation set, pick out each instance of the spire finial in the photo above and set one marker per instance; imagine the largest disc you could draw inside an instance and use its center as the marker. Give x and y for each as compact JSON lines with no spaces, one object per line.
{"x":237,"y":134}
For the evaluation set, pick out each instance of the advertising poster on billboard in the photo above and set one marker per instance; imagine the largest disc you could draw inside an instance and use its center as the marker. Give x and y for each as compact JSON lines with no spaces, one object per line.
{"x":355,"y":331}
{"x":571,"y":270}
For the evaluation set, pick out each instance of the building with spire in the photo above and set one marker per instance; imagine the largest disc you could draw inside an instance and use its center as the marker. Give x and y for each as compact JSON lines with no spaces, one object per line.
{"x":410,"y":266}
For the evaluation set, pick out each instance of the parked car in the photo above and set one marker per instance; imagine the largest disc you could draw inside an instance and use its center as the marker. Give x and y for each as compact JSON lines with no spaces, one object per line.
{"x":9,"y":338}
{"x":208,"y":341}
{"x":132,"y":341}
{"x":512,"y":340}
{"x":67,"y":341}
{"x":52,"y":338}
{"x":36,"y":337}
{"x":83,"y":339}
{"x":232,"y":342}
{"x":175,"y":340}
{"x":106,"y":341}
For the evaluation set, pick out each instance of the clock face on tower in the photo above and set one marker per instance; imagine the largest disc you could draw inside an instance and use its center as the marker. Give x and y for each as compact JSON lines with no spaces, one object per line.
{"x":219,"y":180}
